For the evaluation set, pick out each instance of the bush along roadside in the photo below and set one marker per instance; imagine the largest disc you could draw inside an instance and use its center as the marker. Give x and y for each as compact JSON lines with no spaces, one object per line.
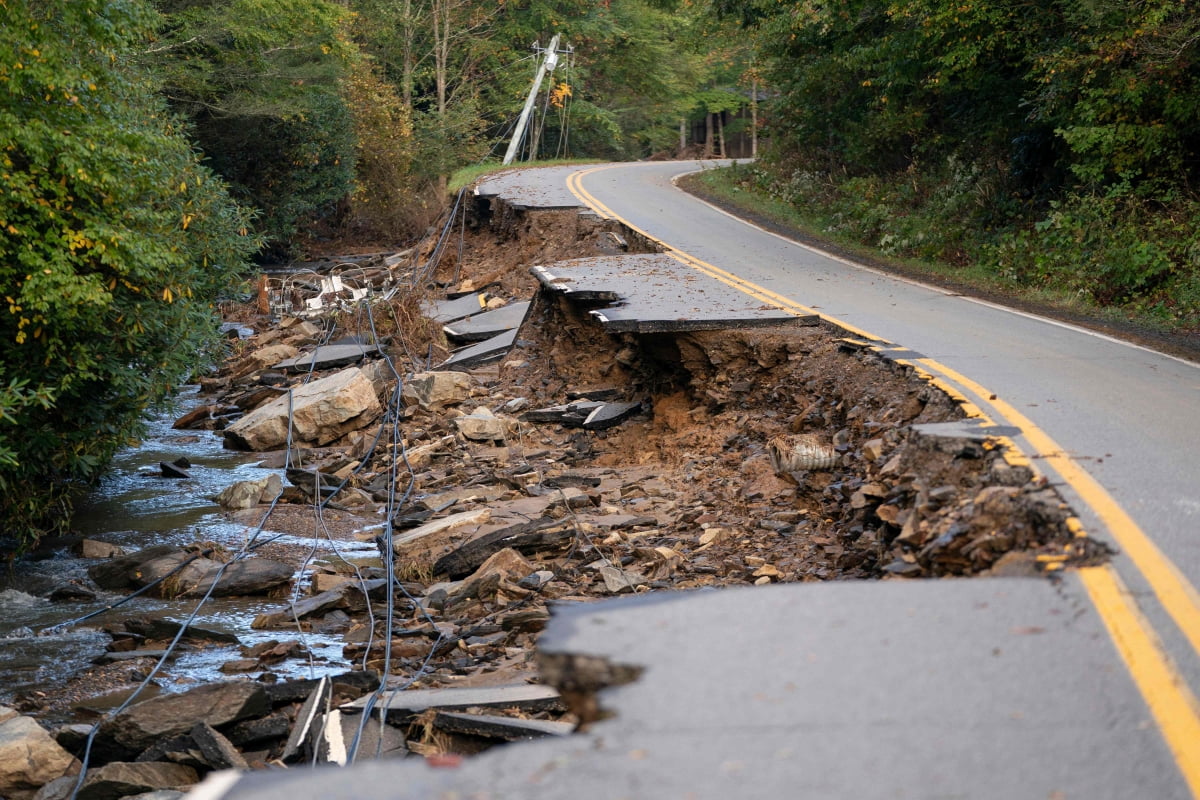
{"x":1114,"y":257}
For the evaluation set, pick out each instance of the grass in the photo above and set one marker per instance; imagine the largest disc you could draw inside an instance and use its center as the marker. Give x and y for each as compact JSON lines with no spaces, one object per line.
{"x":468,"y":175}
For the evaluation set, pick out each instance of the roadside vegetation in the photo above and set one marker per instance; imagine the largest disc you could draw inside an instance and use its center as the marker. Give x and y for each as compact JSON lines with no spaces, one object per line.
{"x":1052,"y":151}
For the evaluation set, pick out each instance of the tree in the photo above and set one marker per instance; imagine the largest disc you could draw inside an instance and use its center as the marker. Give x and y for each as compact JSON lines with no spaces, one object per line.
{"x":261,"y":82}
{"x":115,"y":243}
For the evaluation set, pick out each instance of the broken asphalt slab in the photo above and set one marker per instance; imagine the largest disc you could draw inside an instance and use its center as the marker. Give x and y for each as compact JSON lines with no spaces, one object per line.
{"x":654,"y":293}
{"x":895,"y":689}
{"x":488,"y":324}
{"x":328,"y":357}
{"x":450,"y":310}
{"x":478,"y":354}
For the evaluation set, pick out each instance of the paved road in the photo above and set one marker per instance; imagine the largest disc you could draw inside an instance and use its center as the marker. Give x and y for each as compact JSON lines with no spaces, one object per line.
{"x":990,"y":689}
{"x":1116,"y":425}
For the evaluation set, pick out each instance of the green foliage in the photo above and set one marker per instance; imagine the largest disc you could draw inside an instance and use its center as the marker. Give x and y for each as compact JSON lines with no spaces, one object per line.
{"x":115,"y":242}
{"x":261,"y":82}
{"x":1057,"y":142}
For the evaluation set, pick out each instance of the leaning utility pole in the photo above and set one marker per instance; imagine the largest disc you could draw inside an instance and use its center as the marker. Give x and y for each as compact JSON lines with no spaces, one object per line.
{"x":548,"y":64}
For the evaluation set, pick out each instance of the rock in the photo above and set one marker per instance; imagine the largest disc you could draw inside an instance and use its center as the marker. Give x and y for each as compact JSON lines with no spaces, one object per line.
{"x":29,"y":756}
{"x":873,"y":450}
{"x":198,"y":417}
{"x":322,"y":411}
{"x":483,"y":426}
{"x":162,"y":629}
{"x":262,"y":358}
{"x":327,"y":357}
{"x":173,"y":471}
{"x":526,"y":537}
{"x":461,"y":519}
{"x":248,"y":576}
{"x":90,"y":548}
{"x":432,"y":390}
{"x":71,"y":593}
{"x":619,"y":581}
{"x":120,"y":779}
{"x":219,"y":752}
{"x":216,"y":704}
{"x":505,"y":565}
{"x":329,"y":740}
{"x":317,"y":604}
{"x":247,"y":494}
{"x":118,"y":573}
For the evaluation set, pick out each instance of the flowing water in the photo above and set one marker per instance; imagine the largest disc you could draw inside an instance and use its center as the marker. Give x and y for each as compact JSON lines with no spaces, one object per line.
{"x":135,"y":507}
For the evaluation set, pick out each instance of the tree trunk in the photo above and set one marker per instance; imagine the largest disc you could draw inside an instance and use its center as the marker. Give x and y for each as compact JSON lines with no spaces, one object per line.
{"x":721,"y":132}
{"x":754,"y":117}
{"x":682,"y":135}
{"x":708,"y":135}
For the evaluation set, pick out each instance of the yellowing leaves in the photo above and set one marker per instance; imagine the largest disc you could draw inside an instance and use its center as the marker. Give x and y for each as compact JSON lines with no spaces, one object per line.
{"x":187,"y":220}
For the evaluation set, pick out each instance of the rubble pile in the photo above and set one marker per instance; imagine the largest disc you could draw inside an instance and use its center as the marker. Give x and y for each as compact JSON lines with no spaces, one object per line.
{"x":568,"y":465}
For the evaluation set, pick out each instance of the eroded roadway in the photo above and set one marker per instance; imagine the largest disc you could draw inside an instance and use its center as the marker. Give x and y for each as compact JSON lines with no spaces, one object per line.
{"x":981,"y":688}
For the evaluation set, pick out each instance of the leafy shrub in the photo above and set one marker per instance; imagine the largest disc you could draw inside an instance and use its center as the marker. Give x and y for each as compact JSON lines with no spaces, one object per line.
{"x":115,"y":242}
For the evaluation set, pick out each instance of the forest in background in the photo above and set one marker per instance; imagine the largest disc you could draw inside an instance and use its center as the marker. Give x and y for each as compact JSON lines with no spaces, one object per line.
{"x":1051,"y":146}
{"x":154,"y":150}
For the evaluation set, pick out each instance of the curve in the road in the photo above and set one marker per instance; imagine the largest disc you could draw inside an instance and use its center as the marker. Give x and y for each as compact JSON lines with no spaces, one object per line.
{"x":1173,"y":705}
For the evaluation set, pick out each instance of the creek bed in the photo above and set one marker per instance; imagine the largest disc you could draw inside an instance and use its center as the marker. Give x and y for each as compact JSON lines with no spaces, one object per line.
{"x":134,"y":507}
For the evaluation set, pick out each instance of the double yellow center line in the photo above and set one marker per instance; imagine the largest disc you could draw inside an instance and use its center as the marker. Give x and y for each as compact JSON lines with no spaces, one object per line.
{"x":1172,"y":703}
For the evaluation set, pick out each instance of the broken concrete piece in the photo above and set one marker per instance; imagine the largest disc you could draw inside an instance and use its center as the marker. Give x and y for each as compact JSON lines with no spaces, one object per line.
{"x":609,"y":415}
{"x":436,"y":389}
{"x":488,"y":324}
{"x":320,"y":411}
{"x":477,"y":517}
{"x":508,"y":729}
{"x":476,"y":355}
{"x":327,"y":357}
{"x":569,"y":414}
{"x":450,"y":310}
{"x":402,"y":704}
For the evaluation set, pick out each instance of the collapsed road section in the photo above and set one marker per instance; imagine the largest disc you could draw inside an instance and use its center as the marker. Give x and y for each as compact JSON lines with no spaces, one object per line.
{"x":553,"y":504}
{"x":640,"y":429}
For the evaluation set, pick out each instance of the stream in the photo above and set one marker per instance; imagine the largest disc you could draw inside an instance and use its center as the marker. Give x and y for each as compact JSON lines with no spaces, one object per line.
{"x":134,"y":507}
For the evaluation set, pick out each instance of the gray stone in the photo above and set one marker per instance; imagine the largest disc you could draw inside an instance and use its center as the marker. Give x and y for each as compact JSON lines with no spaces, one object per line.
{"x":619,"y":581}
{"x":327,"y":357}
{"x":90,"y":548}
{"x":321,"y":411}
{"x":118,"y":573}
{"x":219,"y":752}
{"x":142,"y":724}
{"x":121,"y":779}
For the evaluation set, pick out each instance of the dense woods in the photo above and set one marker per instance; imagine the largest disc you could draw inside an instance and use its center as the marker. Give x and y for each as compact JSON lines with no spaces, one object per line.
{"x":1055,"y":144}
{"x":154,"y":149}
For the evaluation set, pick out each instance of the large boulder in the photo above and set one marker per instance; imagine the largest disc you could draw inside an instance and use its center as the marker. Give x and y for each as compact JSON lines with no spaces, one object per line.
{"x":216,"y":704}
{"x":29,"y":756}
{"x":322,"y":411}
{"x":248,"y":494}
{"x":249,"y":576}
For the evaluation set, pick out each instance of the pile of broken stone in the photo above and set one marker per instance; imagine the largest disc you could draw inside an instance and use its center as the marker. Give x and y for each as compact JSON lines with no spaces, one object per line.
{"x":489,"y":510}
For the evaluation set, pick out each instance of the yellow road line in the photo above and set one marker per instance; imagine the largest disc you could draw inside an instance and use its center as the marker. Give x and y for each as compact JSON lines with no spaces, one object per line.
{"x":1173,"y":705}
